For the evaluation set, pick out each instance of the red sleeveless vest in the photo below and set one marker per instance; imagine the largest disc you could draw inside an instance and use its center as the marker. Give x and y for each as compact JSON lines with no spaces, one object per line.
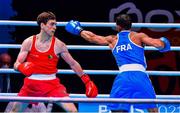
{"x":45,"y":62}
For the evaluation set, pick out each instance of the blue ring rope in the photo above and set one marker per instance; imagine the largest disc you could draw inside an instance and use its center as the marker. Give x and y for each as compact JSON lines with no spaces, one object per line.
{"x":94,"y":24}
{"x":72,"y":95}
{"x":86,"y":47}
{"x":85,"y":100}
{"x":102,"y":72}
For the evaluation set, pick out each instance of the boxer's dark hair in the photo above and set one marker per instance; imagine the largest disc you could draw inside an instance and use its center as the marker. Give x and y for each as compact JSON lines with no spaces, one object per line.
{"x":124,"y":21}
{"x":44,"y":17}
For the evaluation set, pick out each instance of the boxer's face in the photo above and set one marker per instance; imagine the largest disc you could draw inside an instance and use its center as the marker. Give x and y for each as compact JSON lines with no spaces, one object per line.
{"x":50,"y":27}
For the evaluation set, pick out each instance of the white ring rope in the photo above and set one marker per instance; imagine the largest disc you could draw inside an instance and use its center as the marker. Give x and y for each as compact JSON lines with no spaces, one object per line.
{"x":94,"y":24}
{"x":85,"y":100}
{"x":102,"y":72}
{"x":86,"y":47}
{"x":100,"y":95}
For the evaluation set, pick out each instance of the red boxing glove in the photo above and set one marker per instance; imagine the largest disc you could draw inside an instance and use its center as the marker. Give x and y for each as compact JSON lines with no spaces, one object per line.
{"x":26,"y":68}
{"x":91,"y":89}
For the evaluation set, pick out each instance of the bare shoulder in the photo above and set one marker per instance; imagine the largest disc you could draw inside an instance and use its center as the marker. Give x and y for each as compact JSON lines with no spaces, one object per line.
{"x":27,"y":43}
{"x":139,"y":35}
{"x":59,"y":43}
{"x":60,"y":46}
{"x":28,"y":40}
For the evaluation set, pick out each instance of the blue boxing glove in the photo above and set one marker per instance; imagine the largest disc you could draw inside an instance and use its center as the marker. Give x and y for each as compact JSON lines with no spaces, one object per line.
{"x":167,"y":45}
{"x":73,"y":27}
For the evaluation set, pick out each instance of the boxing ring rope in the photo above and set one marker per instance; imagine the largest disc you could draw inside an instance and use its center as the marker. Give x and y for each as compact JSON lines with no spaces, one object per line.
{"x":86,"y":100}
{"x":94,"y":24}
{"x":81,"y":98}
{"x":98,"y":96}
{"x":102,"y":72}
{"x":85,"y":47}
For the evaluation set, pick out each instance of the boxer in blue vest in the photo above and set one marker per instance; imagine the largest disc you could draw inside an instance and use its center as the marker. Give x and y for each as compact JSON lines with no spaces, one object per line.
{"x":128,"y":49}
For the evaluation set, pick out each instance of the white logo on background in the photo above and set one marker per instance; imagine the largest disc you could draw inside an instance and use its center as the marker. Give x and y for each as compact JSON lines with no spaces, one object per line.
{"x":132,"y":9}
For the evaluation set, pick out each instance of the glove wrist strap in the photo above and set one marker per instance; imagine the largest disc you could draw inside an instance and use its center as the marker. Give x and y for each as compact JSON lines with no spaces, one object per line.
{"x":85,"y":78}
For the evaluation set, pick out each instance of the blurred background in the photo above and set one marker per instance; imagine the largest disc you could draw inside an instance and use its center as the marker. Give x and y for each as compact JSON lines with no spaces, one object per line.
{"x":93,"y":11}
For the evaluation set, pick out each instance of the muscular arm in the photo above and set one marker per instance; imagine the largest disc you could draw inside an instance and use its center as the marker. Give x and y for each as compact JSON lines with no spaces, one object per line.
{"x":150,"y":41}
{"x":91,"y":89}
{"x":75,"y":28}
{"x":26,"y":45}
{"x":97,"y":39}
{"x":75,"y":66}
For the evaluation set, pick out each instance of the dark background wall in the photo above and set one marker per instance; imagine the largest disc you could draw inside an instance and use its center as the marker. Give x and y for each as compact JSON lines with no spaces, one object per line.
{"x":96,"y":11}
